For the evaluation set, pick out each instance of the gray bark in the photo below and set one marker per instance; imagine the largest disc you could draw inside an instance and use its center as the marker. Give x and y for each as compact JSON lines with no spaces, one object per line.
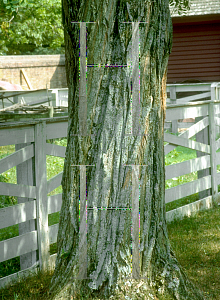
{"x":109,"y":183}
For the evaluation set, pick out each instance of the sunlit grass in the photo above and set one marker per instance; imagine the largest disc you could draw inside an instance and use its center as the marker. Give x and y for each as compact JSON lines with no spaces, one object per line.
{"x":196,"y":244}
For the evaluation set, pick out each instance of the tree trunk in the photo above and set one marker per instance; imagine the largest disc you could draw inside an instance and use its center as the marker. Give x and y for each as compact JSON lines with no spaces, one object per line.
{"x":109,"y":182}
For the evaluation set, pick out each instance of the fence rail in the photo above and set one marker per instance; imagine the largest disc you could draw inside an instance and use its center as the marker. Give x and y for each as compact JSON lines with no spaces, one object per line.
{"x":190,"y":92}
{"x":48,"y":97}
{"x":35,"y":204}
{"x":176,"y":94}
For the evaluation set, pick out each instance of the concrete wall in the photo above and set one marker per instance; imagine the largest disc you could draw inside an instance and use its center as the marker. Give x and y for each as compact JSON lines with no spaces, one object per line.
{"x":43,"y":71}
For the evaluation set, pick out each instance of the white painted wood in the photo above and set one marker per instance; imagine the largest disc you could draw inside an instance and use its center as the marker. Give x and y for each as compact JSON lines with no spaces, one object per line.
{"x":187,"y":167}
{"x":16,"y":158}
{"x":174,"y":126}
{"x":54,"y":203}
{"x":55,"y":150}
{"x":37,"y":97}
{"x":53,"y":231}
{"x":19,"y":190}
{"x":52,"y":261}
{"x":214,"y":91}
{"x":203,"y":137}
{"x":28,"y":97}
{"x":190,"y":87}
{"x":217,"y":121}
{"x":189,"y":133}
{"x":24,"y":172}
{"x":45,"y":101}
{"x":216,"y":107}
{"x":17,"y":213}
{"x":185,"y":124}
{"x":18,"y":245}
{"x":189,"y":209}
{"x":19,"y":276}
{"x":56,"y":130}
{"x":217,"y":158}
{"x":63,"y":97}
{"x":187,"y":189}
{"x":41,"y":191}
{"x":194,"y":97}
{"x":177,"y":140}
{"x":185,"y":111}
{"x":218,"y":177}
{"x":212,"y":135}
{"x":54,"y":182}
{"x":17,"y":135}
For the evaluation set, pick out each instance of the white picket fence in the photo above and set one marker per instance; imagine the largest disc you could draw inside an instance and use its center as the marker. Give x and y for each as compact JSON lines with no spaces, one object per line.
{"x":34,"y":205}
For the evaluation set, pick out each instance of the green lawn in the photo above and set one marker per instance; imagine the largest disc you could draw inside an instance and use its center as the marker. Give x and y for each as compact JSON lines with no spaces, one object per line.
{"x":196,"y":244}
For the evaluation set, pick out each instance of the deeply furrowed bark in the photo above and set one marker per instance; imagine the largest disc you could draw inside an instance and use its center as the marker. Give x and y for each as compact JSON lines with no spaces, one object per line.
{"x":109,"y":182}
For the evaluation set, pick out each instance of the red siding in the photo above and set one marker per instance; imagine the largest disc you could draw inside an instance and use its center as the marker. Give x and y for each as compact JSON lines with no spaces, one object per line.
{"x":195,"y":53}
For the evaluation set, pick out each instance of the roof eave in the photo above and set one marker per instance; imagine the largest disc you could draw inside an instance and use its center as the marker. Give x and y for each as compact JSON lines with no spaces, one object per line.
{"x":207,"y":18}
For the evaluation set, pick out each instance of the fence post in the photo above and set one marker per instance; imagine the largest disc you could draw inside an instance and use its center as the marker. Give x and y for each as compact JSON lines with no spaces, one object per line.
{"x":173,"y":101}
{"x":25,"y":175}
{"x":212,"y":136}
{"x":41,"y":196}
{"x":203,"y":137}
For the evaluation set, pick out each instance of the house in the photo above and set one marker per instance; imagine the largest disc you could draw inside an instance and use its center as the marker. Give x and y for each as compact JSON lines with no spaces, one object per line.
{"x":195,"y":54}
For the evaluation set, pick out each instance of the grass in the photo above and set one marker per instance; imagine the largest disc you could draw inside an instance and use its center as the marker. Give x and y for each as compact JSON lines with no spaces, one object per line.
{"x":195,"y":241}
{"x":189,"y":237}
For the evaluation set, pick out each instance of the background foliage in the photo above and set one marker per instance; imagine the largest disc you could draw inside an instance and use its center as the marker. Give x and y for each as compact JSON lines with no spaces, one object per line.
{"x":35,"y":26}
{"x":31,"y":27}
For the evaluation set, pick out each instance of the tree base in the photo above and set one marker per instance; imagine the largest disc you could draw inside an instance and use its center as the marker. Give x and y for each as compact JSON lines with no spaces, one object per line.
{"x":170,"y":285}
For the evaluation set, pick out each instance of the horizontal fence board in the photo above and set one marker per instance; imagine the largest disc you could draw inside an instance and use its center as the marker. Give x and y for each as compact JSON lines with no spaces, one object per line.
{"x":185,"y":124}
{"x":187,"y":189}
{"x":189,"y":209}
{"x":17,"y":214}
{"x":198,"y":87}
{"x":54,"y":182}
{"x":56,"y":130}
{"x":12,"y":136}
{"x":55,"y":150}
{"x":16,"y":158}
{"x":18,"y":245}
{"x":194,"y":97}
{"x":53,"y":231}
{"x":187,"y":167}
{"x":19,"y":190}
{"x":19,"y":276}
{"x":186,"y":112}
{"x":189,"y":133}
{"x":180,"y":141}
{"x":54,"y":203}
